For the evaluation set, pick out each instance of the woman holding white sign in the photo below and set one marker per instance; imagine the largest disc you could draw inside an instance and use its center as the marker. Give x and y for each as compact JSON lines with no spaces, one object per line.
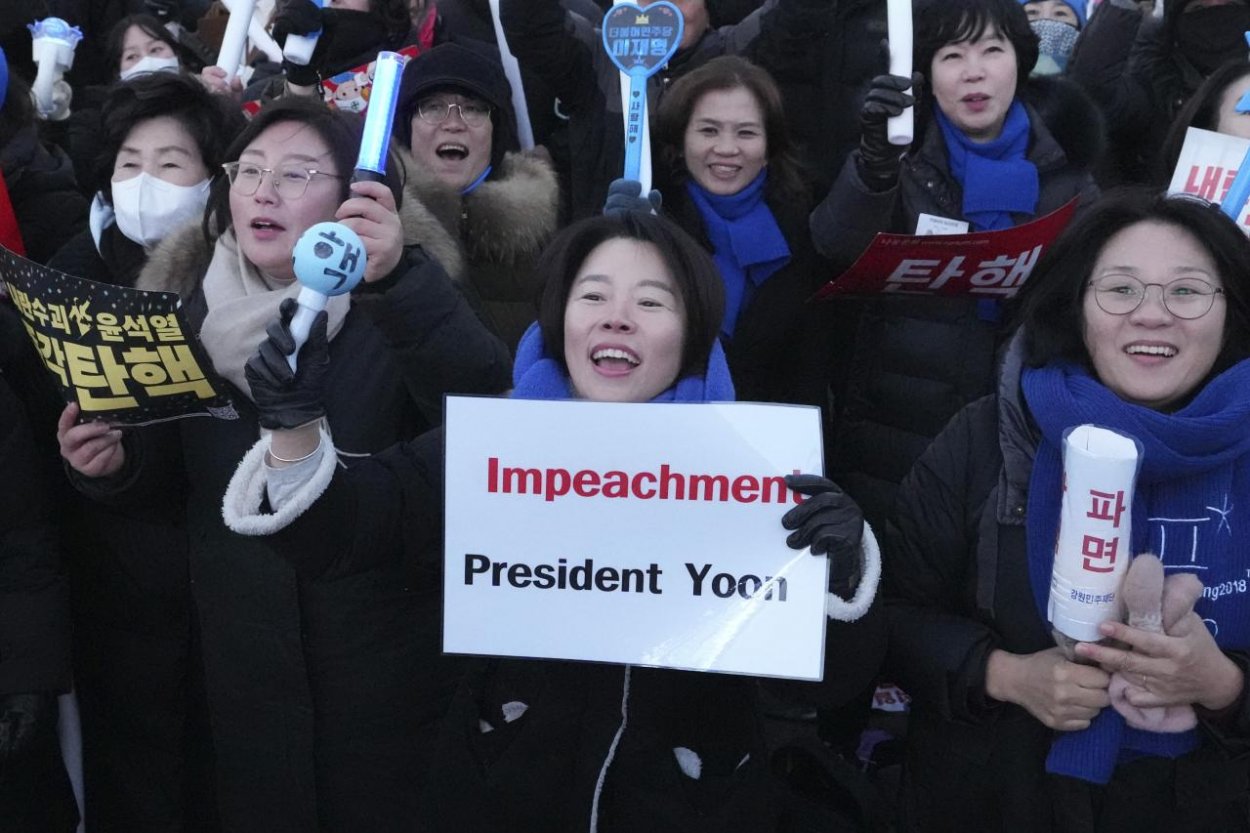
{"x":631,"y":313}
{"x":985,"y":158}
{"x":1138,"y":321}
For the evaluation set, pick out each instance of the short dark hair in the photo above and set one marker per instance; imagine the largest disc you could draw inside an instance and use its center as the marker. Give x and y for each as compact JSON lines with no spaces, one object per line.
{"x":729,"y":72}
{"x":1050,"y":308}
{"x":211,"y":120}
{"x":941,"y":22}
{"x":1201,"y":110}
{"x":692,"y":269}
{"x":117,"y":38}
{"x":340,"y":130}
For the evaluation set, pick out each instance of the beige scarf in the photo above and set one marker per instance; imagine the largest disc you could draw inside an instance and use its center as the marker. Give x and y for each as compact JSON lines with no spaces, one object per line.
{"x":241,"y":303}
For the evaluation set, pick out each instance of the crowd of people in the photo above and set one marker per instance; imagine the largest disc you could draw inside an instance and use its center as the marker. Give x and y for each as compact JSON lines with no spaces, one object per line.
{"x":245,"y":616}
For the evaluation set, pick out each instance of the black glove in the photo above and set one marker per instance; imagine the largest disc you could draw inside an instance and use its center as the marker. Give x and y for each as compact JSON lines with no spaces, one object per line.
{"x":286,"y":399}
{"x":299,"y":17}
{"x":878,"y":161}
{"x":24,"y":720}
{"x":626,"y":195}
{"x":832,"y":524}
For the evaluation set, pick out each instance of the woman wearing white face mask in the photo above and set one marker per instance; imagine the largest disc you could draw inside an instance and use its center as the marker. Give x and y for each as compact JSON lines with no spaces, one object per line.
{"x":140,"y":43}
{"x":163,"y":137}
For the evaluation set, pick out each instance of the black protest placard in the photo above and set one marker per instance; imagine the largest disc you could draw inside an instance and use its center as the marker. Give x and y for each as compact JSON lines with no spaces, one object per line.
{"x":124,"y":355}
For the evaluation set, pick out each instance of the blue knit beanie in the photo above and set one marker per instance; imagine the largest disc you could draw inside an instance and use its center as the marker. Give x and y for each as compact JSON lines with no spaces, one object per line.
{"x":1076,"y":6}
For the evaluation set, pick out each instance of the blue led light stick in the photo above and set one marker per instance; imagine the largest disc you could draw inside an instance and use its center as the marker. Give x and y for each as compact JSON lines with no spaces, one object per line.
{"x":1239,"y":191}
{"x":376,"y":141}
{"x":640,"y":42}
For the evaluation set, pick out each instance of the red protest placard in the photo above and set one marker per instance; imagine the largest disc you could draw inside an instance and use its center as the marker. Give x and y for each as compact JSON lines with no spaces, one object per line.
{"x":984,"y":264}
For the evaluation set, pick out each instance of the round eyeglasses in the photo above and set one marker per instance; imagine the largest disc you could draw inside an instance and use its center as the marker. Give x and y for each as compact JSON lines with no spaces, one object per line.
{"x":1184,"y":297}
{"x":438,"y":110}
{"x":290,"y":181}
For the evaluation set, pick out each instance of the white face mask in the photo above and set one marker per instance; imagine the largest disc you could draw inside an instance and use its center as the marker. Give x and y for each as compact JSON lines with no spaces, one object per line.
{"x":148,"y":208}
{"x":149,"y":63}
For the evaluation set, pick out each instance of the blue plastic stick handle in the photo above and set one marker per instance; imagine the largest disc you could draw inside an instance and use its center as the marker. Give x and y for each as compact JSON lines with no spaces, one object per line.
{"x":636,"y":118}
{"x":1239,"y":191}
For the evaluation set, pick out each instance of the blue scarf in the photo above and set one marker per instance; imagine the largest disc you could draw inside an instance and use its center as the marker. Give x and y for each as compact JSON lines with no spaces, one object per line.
{"x":536,"y":375}
{"x":1195,"y":465}
{"x":996,"y":177}
{"x":747,"y":243}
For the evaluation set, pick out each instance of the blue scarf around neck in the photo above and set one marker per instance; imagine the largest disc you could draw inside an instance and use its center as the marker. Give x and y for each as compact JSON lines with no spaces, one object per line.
{"x":1194,"y":475}
{"x":537,"y":375}
{"x":998,"y":179}
{"x":747,"y":243}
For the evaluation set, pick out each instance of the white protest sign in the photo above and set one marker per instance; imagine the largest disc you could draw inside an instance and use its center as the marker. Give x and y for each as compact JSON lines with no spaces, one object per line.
{"x":647,"y":534}
{"x":1208,"y":165}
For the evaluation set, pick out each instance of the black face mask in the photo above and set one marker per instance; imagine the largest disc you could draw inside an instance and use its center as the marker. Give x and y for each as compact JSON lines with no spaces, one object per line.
{"x":353,"y":35}
{"x":1213,"y":36}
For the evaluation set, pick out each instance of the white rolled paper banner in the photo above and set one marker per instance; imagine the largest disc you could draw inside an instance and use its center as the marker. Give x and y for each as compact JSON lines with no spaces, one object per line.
{"x":1094,"y":545}
{"x":512,"y":69}
{"x":644,"y":168}
{"x":900,"y":129}
{"x":232,"y":42}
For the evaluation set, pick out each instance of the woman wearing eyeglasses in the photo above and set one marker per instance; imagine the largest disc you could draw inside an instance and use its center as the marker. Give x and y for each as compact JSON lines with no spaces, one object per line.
{"x":1138,"y":320}
{"x":305,"y":682}
{"x":455,"y":116}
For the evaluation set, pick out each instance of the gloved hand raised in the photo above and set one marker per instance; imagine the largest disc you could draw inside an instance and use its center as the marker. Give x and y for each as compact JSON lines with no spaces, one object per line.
{"x":284,"y":398}
{"x":300,"y":17}
{"x":831,"y":524}
{"x":878,"y":161}
{"x":626,"y":195}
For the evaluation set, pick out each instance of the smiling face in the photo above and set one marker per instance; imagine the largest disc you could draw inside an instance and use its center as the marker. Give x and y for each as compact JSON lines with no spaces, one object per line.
{"x":1149,"y":356}
{"x":267,"y":224}
{"x":138,"y":44}
{"x":974,"y":83}
{"x":453,"y":150}
{"x":624,"y":324}
{"x":725,"y":145}
{"x":160,"y":147}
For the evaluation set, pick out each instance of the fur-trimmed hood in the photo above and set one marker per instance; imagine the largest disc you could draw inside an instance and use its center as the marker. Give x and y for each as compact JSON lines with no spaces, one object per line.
{"x":506,"y":219}
{"x":178,"y":262}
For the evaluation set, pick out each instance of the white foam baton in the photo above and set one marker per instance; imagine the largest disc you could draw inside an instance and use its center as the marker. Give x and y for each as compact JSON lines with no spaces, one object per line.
{"x":1092,"y":552}
{"x":900,"y":129}
{"x":512,"y":69}
{"x":235,"y":39}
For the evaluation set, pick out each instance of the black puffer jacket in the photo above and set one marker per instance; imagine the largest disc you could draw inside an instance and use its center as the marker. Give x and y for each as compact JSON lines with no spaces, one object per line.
{"x":307,"y":682}
{"x":44,"y":193}
{"x":560,"y":766}
{"x":35,"y":794}
{"x":957,"y":588}
{"x":822,"y":56}
{"x":1133,"y":69}
{"x":916,"y":361}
